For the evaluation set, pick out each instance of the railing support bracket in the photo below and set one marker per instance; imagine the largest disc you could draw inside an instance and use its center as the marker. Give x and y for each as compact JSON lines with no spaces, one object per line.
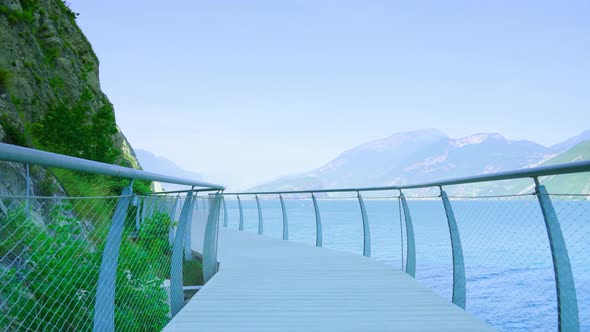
{"x":410,"y":242}
{"x":567,"y":304}
{"x":459,"y":289}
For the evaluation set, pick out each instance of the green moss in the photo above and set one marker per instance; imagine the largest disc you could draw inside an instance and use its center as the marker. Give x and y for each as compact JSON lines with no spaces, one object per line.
{"x":78,"y":184}
{"x":5,"y":80}
{"x":17,"y":16}
{"x":65,"y":8}
{"x":88,"y":67}
{"x":192,"y":273}
{"x":13,"y":135}
{"x":56,"y":83}
{"x":29,"y":5}
{"x":17,"y":101}
{"x":73,"y":129}
{"x":46,"y":186}
{"x":37,"y":77}
{"x":51,"y":54}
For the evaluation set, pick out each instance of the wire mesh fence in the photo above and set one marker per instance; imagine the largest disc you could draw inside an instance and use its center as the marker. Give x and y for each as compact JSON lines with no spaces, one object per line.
{"x":434,"y":259}
{"x":50,"y":260}
{"x":387,"y":230}
{"x":573,"y":212}
{"x":51,"y":249}
{"x":507,"y":262}
{"x":509,"y":271}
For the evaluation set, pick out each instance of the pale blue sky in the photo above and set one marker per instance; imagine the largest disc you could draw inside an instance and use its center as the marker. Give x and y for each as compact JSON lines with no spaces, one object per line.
{"x":246,"y":91}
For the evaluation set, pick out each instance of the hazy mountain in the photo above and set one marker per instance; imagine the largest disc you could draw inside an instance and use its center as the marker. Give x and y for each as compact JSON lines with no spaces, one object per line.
{"x":152,"y":163}
{"x":569,"y":143}
{"x":428,"y":155}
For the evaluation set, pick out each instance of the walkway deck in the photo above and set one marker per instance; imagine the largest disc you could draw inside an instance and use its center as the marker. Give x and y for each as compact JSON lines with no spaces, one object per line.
{"x":268,"y":284}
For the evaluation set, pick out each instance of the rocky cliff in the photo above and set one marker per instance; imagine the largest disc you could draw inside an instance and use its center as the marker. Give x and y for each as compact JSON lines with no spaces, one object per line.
{"x":50,"y":96}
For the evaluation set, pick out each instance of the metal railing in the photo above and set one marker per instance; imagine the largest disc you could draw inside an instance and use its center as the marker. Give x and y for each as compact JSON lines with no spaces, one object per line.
{"x":566,"y":301}
{"x":125,"y":262}
{"x":100,"y":263}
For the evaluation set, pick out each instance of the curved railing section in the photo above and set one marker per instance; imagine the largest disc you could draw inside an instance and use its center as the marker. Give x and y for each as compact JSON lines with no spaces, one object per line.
{"x":566,"y":303}
{"x":101,"y":263}
{"x":517,"y":261}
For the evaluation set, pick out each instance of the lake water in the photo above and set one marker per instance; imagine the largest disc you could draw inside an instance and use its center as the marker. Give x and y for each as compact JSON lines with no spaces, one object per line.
{"x":510,"y":282}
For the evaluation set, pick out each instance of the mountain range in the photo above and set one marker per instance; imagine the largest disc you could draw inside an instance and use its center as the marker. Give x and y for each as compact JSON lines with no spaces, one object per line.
{"x":157,"y":164}
{"x":423,"y":156}
{"x":429,"y":155}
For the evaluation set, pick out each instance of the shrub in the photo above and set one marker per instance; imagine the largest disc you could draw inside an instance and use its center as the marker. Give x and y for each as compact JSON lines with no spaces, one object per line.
{"x":72,"y":129}
{"x":55,"y":289}
{"x":5,"y":79}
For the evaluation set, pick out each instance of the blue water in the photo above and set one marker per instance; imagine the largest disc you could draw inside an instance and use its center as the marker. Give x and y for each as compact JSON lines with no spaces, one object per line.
{"x":508,"y":265}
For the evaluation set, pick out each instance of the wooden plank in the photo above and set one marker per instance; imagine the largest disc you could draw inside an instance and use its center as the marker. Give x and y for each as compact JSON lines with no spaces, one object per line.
{"x":268,"y":284}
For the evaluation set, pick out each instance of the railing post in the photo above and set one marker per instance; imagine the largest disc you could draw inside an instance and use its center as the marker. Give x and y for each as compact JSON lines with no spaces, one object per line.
{"x":188,"y":251}
{"x":318,"y":222}
{"x":241,"y":225}
{"x":176,"y":291}
{"x":172,"y":228}
{"x":410,"y":242}
{"x":158,"y":204}
{"x":210,"y":241}
{"x":567,"y":304}
{"x":285,"y":220}
{"x":144,"y":201}
{"x":27,"y":189}
{"x":148,"y":207}
{"x":366,"y":230}
{"x":401,"y":230}
{"x":173,"y":207}
{"x":260,"y":225}
{"x":136,"y":201}
{"x":459,"y":290}
{"x":104,"y":305}
{"x":224,"y":211}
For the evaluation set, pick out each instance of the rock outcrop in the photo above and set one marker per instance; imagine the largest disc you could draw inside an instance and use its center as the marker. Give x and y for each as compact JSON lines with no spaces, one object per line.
{"x":50,"y":96}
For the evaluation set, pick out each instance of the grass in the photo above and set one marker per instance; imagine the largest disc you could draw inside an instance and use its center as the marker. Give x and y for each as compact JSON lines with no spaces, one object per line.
{"x":5,"y":79}
{"x":192,"y":273}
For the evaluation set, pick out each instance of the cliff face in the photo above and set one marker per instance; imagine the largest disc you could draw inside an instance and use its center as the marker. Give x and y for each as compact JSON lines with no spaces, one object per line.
{"x":50,"y":95}
{"x":49,"y":86}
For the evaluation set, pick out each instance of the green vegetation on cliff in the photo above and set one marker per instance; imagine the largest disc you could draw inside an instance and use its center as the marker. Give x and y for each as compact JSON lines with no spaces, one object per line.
{"x":51,"y":248}
{"x":61,"y":274}
{"x":50,"y":95}
{"x":570,"y":183}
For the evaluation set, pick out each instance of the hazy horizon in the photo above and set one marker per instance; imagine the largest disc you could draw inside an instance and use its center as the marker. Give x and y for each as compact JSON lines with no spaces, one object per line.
{"x":232,"y":186}
{"x":256,"y":90}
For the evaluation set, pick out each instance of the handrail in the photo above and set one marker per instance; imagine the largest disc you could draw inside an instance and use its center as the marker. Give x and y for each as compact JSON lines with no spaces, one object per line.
{"x":23,"y":155}
{"x":104,"y":309}
{"x":568,"y":317}
{"x":566,"y":168}
{"x":104,"y":300}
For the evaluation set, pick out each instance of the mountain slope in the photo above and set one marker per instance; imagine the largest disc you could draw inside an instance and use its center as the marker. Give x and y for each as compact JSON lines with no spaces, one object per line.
{"x":418,"y":156}
{"x":572,"y":183}
{"x":571,"y":142}
{"x":161,"y":165}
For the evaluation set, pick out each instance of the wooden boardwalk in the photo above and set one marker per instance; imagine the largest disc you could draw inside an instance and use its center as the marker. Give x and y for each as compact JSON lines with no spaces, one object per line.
{"x":267,"y":284}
